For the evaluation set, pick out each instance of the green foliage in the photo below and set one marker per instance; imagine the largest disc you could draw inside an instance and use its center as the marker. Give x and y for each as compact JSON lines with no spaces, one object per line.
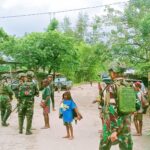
{"x":53,"y":25}
{"x":4,"y":68}
{"x":129,"y":38}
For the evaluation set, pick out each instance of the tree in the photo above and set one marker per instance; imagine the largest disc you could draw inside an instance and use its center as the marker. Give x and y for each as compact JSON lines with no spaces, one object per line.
{"x":58,"y":49}
{"x":81,"y":27}
{"x":129,"y":36}
{"x":95,"y":34}
{"x":53,"y":25}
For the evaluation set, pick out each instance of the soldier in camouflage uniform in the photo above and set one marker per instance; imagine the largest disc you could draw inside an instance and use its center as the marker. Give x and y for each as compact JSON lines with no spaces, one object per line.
{"x":27,"y":91}
{"x":116,"y":126}
{"x":5,"y":100}
{"x":30,"y":76}
{"x":15,"y":87}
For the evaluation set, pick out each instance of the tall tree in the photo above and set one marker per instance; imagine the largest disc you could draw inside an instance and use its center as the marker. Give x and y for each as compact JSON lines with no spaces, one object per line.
{"x":54,"y":24}
{"x":81,"y":26}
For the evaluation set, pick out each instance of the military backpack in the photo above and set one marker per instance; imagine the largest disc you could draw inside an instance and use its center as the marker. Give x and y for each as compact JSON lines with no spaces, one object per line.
{"x":126,"y":99}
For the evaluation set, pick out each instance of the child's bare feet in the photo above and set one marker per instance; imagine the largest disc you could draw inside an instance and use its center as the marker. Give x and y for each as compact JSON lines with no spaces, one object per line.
{"x":71,"y":138}
{"x":45,"y":127}
{"x":137,"y":134}
{"x":65,"y":137}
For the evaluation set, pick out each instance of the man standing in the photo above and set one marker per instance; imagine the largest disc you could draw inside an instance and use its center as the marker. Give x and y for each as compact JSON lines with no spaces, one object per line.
{"x":52,"y":89}
{"x":27,"y":91}
{"x":117,"y":125}
{"x":5,"y":100}
{"x":30,"y":76}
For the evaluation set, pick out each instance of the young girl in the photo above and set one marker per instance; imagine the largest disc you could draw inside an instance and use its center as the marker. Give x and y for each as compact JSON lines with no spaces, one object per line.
{"x":45,"y":103}
{"x":67,"y":110}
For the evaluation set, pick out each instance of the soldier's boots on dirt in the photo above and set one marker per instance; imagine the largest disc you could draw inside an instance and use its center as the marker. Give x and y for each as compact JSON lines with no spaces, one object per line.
{"x":28,"y":132}
{"x":21,"y":120}
{"x":4,"y":116}
{"x":29,"y":123}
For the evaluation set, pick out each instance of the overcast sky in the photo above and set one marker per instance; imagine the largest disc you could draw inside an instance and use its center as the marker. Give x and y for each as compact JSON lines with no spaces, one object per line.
{"x":18,"y":26}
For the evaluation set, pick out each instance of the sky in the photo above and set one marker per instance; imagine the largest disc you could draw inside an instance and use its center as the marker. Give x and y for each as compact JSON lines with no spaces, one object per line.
{"x":19,"y":26}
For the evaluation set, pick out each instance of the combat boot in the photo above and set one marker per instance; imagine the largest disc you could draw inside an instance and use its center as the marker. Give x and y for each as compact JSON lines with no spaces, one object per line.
{"x":4,"y":124}
{"x":28,"y":132}
{"x":29,"y":124}
{"x":5,"y":117}
{"x":21,"y":120}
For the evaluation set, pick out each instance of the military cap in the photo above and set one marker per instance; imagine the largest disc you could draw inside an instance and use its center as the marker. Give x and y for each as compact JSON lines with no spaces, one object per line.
{"x":30,"y":74}
{"x":6,"y":76}
{"x":21,"y":75}
{"x":118,"y":68}
{"x":50,"y":76}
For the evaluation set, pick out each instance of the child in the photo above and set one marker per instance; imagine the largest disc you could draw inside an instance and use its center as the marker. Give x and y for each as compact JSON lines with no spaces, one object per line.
{"x":67,"y":110}
{"x":45,"y":103}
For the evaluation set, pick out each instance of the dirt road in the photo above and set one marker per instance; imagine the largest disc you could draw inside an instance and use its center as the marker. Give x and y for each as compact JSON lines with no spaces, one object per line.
{"x":85,"y":132}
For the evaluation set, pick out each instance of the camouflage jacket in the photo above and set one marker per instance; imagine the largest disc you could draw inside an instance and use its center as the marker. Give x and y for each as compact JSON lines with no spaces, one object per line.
{"x":28,"y":90}
{"x":5,"y":89}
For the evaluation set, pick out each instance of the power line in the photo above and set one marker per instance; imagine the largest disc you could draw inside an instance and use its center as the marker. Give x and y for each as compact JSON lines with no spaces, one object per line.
{"x":61,"y":11}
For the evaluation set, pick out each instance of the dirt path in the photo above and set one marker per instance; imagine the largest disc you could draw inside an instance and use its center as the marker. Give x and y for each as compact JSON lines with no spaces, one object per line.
{"x":86,"y":131}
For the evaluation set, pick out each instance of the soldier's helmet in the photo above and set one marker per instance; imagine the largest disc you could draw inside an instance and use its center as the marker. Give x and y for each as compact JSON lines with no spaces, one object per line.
{"x":30,"y":74}
{"x":20,"y":75}
{"x":117,"y":67}
{"x":6,"y":76}
{"x":50,"y":76}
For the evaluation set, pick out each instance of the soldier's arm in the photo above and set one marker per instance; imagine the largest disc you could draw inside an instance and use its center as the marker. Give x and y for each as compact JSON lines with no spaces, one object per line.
{"x":36,"y":90}
{"x":113,"y":111}
{"x":9,"y":90}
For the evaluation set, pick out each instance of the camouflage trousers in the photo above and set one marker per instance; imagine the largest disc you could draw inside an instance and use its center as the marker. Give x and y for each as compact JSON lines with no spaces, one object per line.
{"x":5,"y":107}
{"x":25,"y":109}
{"x":124,"y":136}
{"x":125,"y":143}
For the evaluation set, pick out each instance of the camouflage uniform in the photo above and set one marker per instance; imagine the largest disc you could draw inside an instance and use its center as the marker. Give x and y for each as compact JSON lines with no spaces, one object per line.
{"x":15,"y":87}
{"x":30,"y":76}
{"x":115,"y":121}
{"x":27,"y":91}
{"x":5,"y":101}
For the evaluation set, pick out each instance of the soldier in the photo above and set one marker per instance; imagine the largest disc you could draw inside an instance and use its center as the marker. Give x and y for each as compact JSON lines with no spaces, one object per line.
{"x":52,"y":89}
{"x":30,"y":76}
{"x":116,"y":126}
{"x":15,"y":87}
{"x":5,"y":100}
{"x":27,"y":91}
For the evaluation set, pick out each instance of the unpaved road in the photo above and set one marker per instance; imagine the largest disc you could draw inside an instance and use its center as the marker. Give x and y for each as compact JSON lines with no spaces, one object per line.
{"x":85,"y":132}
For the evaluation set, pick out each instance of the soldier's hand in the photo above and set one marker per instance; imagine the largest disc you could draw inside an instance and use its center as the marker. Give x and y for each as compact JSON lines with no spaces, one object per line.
{"x":113,"y":137}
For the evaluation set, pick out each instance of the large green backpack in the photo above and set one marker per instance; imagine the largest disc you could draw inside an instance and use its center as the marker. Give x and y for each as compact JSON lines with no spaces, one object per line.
{"x":126,"y":99}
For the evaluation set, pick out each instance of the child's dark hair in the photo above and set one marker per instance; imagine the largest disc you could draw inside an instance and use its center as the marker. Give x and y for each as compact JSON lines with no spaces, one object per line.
{"x":68,"y":95}
{"x":45,"y":81}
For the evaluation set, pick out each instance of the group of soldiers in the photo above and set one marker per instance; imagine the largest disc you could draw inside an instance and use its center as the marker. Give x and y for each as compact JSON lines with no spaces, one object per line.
{"x":25,"y":90}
